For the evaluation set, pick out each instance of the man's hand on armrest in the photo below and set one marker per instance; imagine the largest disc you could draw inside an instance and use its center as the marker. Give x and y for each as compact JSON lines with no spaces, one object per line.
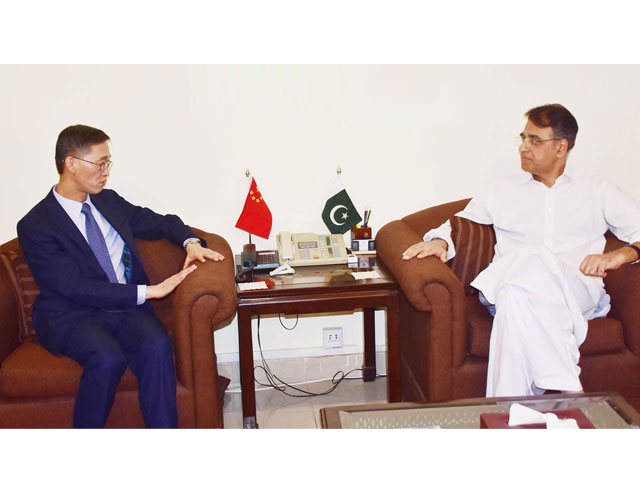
{"x":164,"y":288}
{"x":436,"y":247}
{"x":195,"y":251}
{"x":598,"y":264}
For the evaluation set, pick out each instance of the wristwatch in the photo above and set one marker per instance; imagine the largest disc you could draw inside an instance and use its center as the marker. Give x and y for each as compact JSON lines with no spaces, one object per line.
{"x":631,"y":245}
{"x":189,"y":241}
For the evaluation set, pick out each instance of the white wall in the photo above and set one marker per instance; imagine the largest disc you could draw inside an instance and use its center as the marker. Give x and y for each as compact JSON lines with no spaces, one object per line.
{"x":406,"y":137}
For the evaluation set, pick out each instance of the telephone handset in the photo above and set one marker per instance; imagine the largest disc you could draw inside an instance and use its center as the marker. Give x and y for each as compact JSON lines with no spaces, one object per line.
{"x":285,"y":247}
{"x":300,"y":249}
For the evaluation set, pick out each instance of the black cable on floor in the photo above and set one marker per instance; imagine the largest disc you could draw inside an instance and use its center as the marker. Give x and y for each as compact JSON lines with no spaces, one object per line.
{"x":280,"y":385}
{"x":294,"y":326}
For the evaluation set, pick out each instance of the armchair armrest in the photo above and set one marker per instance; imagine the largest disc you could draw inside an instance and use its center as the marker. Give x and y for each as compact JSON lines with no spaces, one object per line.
{"x":204,"y":301}
{"x":430,"y":286}
{"x":211,"y":278}
{"x":623,"y":285}
{"x":413,"y":275}
{"x":9,"y":313}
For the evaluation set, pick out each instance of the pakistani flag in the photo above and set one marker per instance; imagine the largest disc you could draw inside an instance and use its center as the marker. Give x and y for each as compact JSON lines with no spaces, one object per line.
{"x":339,"y":214}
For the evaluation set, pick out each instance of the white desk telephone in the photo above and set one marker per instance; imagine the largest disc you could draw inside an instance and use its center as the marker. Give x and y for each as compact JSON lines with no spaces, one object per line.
{"x":301,"y":249}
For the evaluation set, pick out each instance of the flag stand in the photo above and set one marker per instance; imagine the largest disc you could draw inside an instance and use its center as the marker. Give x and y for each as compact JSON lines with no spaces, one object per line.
{"x":249,"y":256}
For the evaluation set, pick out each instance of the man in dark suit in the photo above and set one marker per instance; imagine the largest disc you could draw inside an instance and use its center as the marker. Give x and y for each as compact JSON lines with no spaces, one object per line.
{"x":79,"y":244}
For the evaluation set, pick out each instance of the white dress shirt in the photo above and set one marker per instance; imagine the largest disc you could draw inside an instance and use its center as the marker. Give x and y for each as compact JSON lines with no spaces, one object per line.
{"x":569,"y":219}
{"x":115,"y":244}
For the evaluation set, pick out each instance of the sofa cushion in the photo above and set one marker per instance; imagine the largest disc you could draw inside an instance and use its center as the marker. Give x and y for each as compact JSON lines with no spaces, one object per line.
{"x":26,"y":289}
{"x":31,"y":371}
{"x":480,"y":322}
{"x":604,"y":334}
{"x":474,"y":244}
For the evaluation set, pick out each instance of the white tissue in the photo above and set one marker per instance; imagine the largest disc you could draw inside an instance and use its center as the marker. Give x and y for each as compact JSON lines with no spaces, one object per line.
{"x":521,"y":415}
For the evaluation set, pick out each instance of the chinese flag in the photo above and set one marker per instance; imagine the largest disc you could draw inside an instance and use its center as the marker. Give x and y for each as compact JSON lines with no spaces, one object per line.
{"x":256,"y":216}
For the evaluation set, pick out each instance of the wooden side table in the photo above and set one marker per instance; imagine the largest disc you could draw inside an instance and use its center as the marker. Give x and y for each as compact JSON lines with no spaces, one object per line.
{"x":322,"y":289}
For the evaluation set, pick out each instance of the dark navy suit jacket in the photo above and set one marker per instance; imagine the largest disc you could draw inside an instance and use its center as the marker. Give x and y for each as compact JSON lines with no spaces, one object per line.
{"x":72,"y":284}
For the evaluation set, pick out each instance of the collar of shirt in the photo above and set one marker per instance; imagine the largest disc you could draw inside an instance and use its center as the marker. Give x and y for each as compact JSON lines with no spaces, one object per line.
{"x":569,"y":174}
{"x":73,"y":208}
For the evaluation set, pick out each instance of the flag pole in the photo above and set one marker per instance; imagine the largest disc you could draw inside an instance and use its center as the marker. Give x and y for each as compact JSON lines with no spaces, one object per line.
{"x":247,"y":174}
{"x":249,"y":256}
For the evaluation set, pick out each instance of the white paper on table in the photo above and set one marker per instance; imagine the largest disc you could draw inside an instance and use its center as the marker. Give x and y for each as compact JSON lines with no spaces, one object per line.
{"x":365,"y":275}
{"x":253,"y":286}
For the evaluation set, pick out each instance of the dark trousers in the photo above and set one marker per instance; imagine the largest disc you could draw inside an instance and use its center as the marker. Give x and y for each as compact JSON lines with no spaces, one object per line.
{"x":105,"y":345}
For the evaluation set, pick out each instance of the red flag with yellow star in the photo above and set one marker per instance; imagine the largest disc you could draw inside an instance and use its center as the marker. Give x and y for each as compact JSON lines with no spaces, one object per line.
{"x":256,"y":216}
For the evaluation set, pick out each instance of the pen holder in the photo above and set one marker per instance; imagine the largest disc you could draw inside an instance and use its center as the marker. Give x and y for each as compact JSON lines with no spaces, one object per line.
{"x":360,"y":233}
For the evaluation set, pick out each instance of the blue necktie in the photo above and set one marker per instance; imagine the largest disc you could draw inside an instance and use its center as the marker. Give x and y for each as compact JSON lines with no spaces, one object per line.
{"x":97,"y":243}
{"x":126,"y":261}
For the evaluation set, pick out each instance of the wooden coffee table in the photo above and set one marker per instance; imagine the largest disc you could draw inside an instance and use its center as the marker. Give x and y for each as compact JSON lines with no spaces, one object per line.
{"x":321,"y":290}
{"x":603,"y":410}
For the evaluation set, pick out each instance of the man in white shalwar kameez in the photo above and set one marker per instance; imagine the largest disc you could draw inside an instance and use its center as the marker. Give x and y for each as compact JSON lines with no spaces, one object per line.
{"x":546,"y":277}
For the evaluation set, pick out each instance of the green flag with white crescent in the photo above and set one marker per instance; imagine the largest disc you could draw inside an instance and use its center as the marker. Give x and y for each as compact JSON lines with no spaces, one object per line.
{"x":339,"y":213}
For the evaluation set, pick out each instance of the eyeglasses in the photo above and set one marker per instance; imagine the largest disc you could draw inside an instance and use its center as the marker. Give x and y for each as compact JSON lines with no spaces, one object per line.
{"x":102,"y":165}
{"x":532,"y":141}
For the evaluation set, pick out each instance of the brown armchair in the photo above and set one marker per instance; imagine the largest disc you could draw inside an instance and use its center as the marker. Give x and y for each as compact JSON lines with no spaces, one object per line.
{"x":445,"y":330}
{"x":37,"y":389}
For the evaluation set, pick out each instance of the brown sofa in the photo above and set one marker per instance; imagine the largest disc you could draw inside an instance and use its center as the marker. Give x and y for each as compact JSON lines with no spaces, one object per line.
{"x":37,"y":389}
{"x":445,"y":330}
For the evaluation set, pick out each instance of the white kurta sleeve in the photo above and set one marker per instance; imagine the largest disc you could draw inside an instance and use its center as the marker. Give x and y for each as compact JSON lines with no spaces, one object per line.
{"x":443,"y":232}
{"x":477,"y":210}
{"x":621,"y":213}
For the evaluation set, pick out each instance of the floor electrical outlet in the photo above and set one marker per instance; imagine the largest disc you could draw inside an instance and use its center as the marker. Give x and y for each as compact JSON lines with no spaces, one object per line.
{"x":332,"y":337}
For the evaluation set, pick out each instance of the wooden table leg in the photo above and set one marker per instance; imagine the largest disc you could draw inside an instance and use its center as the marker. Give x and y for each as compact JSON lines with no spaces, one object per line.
{"x":369,"y":365}
{"x":394,"y":367}
{"x":247,"y":381}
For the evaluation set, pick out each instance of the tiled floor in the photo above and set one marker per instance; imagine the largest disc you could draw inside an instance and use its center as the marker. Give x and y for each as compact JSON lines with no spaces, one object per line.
{"x":277,"y":410}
